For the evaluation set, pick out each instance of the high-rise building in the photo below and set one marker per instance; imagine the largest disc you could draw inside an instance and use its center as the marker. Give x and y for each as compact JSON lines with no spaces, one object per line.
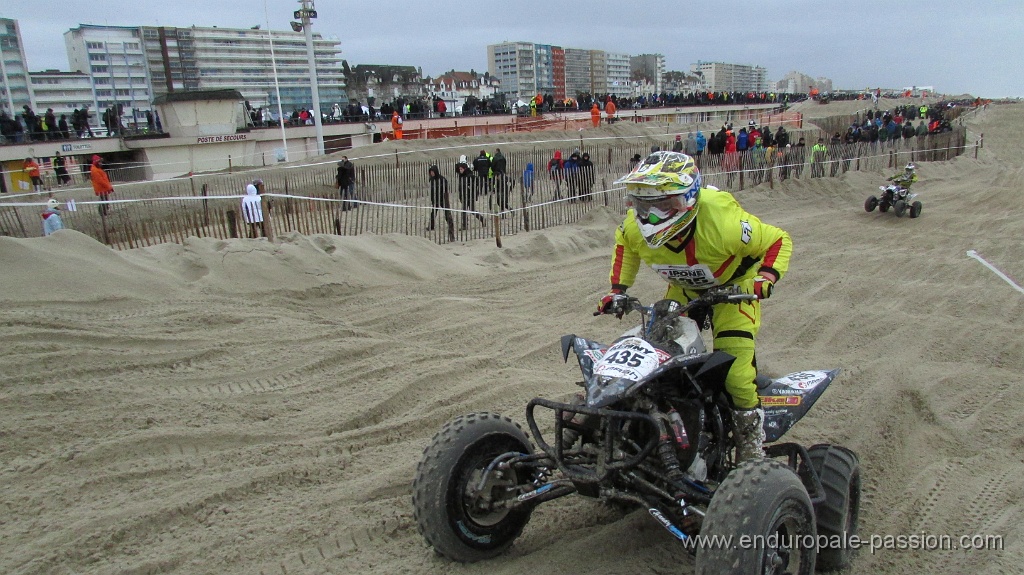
{"x":514,"y":63}
{"x":63,"y":92}
{"x":797,"y":82}
{"x":577,"y":72}
{"x":171,"y":59}
{"x":239,"y":59}
{"x":598,"y":72}
{"x":617,"y":74}
{"x":525,"y":69}
{"x":132,"y":65}
{"x":723,"y":77}
{"x":115,"y":60}
{"x":650,"y":67}
{"x":15,"y":89}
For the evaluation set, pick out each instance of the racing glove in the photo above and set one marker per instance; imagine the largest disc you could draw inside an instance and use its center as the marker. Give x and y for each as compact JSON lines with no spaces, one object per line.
{"x":763,"y":287}
{"x":758,"y":285}
{"x":612,"y":303}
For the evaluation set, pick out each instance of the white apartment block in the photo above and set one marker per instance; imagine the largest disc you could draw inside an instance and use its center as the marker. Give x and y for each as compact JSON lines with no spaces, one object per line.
{"x":515,"y":65}
{"x":133,"y":65}
{"x":723,"y":77}
{"x":63,"y":92}
{"x":525,"y":69}
{"x":115,"y":60}
{"x":617,"y":74}
{"x":240,"y":59}
{"x":15,"y":88}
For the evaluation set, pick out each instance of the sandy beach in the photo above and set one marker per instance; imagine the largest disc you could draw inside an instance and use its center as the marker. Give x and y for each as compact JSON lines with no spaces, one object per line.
{"x":246,"y":407}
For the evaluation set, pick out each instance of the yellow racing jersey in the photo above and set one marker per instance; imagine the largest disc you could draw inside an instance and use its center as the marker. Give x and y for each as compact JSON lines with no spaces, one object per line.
{"x":724,"y":245}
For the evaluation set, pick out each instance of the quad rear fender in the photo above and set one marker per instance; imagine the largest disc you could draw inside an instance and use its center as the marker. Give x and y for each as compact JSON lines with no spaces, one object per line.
{"x":788,"y":398}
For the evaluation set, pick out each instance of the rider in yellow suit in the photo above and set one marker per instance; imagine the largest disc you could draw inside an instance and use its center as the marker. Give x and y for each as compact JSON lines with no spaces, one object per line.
{"x":698,"y":237}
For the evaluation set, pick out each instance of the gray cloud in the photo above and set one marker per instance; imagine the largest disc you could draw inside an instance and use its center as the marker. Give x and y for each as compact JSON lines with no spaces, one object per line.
{"x":956,"y":47}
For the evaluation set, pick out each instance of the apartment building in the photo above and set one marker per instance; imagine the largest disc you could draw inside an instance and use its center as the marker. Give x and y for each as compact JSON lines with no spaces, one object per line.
{"x":63,"y":92}
{"x":650,"y":67}
{"x":525,"y":69}
{"x":132,"y":65}
{"x":239,"y":59}
{"x":15,"y":87}
{"x":724,"y":77}
{"x":114,"y":59}
{"x":617,"y":72}
{"x":577,"y":72}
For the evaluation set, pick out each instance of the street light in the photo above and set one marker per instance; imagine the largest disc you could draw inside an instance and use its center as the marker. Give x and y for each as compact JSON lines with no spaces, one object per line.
{"x":307,"y":12}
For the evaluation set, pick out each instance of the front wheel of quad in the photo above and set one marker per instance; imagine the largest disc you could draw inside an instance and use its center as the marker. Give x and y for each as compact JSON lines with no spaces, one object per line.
{"x":883,"y":206}
{"x":870,"y":204}
{"x":458,"y":518}
{"x":915,"y":209}
{"x":837,"y":516}
{"x":900,"y":207}
{"x":763,"y":508}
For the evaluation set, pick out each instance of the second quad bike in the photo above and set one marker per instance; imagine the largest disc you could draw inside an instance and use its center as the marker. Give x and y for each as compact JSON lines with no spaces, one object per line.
{"x":651,"y":430}
{"x":900,"y":199}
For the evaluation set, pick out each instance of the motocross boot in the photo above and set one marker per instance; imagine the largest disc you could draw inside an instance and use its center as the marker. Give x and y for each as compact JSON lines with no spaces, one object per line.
{"x":748,"y":433}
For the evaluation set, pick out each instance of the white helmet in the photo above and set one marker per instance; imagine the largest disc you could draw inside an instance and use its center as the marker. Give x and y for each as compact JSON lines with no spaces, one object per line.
{"x":663,"y":192}
{"x":910,"y":167}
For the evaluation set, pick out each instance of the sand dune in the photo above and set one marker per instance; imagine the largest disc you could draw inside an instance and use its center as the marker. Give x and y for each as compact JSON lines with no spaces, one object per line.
{"x":245,"y":407}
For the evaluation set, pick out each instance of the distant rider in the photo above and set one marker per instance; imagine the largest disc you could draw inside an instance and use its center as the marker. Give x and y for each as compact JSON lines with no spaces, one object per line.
{"x":697,"y":237}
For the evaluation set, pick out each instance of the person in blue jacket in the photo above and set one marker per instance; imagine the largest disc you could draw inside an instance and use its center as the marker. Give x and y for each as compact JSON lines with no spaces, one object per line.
{"x":702,"y":143}
{"x":528,"y":183}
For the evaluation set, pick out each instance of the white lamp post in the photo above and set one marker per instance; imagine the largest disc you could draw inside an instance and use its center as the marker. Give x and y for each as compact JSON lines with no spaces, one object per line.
{"x":308,"y":12}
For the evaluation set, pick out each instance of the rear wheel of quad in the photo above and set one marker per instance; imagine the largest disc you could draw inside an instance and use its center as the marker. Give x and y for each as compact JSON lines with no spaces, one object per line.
{"x":915,"y":209}
{"x":900,"y":207}
{"x":764,"y":503}
{"x":456,"y":519}
{"x":870,"y":204}
{"x":837,"y":516}
{"x":883,"y":206}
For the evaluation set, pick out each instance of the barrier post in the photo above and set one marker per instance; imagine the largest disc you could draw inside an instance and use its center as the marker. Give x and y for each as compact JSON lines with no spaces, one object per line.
{"x":497,"y":230}
{"x":232,"y":224}
{"x":977,"y":143}
{"x":229,"y":163}
{"x":206,"y":206}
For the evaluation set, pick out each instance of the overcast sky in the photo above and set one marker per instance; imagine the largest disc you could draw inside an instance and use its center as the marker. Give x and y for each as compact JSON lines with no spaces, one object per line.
{"x":956,"y":46}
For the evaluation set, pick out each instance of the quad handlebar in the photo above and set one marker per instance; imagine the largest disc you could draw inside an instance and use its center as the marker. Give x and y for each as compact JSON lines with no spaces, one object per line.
{"x":623,"y":304}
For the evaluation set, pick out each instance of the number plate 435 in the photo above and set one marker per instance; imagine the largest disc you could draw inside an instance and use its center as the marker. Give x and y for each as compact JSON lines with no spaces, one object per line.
{"x":631,"y":358}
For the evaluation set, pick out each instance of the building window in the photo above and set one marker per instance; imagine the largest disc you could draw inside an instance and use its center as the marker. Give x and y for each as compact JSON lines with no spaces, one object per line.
{"x":94,"y":45}
{"x":99,"y":69}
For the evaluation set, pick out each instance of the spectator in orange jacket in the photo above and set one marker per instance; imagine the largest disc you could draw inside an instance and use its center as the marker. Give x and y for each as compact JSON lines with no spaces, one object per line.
{"x":396,"y":124}
{"x":609,"y":110}
{"x":100,"y":183}
{"x":595,"y":115}
{"x":32,"y":168}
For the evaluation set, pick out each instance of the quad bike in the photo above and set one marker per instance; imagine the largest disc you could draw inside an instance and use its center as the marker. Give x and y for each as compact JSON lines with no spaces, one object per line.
{"x":898,"y":198}
{"x":653,"y":429}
